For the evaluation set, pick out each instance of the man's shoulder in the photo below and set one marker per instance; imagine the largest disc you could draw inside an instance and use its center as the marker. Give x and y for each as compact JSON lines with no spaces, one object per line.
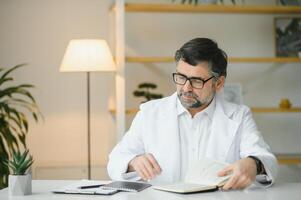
{"x":159,"y":104}
{"x":234,"y":110}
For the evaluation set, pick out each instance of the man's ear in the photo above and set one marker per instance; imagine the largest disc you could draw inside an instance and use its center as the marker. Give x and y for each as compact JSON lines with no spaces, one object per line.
{"x":219,"y":84}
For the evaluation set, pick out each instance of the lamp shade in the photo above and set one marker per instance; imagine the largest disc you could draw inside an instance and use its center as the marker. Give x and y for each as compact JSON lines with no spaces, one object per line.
{"x":87,"y":55}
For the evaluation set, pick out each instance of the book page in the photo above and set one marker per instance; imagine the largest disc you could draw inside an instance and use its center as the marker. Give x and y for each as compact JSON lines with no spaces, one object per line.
{"x":183,"y":187}
{"x":205,"y":172}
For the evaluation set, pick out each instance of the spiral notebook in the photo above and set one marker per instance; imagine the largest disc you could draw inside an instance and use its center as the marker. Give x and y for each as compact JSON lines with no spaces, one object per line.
{"x":128,"y":186}
{"x":77,"y":188}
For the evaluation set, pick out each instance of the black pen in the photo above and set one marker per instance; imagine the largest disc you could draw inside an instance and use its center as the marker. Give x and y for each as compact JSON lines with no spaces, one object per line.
{"x":90,"y":186}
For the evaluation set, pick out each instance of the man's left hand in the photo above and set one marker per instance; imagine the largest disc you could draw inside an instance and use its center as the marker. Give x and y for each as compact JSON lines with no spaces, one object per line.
{"x":243,"y":173}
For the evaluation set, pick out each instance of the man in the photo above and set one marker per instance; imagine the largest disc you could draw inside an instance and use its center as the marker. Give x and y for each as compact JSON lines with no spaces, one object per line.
{"x":195,"y":122}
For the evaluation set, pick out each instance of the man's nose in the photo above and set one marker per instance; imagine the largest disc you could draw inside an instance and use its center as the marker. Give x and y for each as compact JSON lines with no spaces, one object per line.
{"x":187,"y":86}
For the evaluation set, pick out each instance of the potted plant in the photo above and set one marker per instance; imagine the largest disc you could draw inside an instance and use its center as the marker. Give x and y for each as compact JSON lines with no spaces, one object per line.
{"x":16,"y":103}
{"x":144,"y":91}
{"x":19,"y":182}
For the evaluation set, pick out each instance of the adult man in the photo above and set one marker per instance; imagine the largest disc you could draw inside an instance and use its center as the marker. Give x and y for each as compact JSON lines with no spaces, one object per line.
{"x":195,"y":122}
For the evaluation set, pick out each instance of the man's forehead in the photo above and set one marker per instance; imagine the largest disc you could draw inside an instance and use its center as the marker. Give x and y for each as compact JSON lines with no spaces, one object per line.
{"x":202,"y":68}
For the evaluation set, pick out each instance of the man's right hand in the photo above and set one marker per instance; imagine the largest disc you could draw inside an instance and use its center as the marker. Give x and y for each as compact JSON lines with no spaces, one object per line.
{"x":145,"y":165}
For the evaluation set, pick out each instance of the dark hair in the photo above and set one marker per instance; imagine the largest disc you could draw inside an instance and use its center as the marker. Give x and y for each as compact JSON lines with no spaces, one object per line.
{"x":199,"y":50}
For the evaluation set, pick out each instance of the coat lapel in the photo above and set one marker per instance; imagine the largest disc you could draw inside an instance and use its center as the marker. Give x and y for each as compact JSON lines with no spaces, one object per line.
{"x":170,"y":131}
{"x":223,"y":130}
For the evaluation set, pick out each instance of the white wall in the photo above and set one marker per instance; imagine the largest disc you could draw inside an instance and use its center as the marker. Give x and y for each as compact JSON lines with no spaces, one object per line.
{"x":38,"y":31}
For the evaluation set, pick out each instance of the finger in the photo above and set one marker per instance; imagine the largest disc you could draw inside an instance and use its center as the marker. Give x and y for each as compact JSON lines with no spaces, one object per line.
{"x":154,"y":163}
{"x":229,"y":184}
{"x":140,"y":172}
{"x":243,"y":183}
{"x":143,"y":172}
{"x":227,"y":170}
{"x":148,"y":167}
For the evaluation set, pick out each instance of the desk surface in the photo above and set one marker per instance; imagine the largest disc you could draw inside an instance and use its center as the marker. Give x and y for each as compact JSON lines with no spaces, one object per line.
{"x":42,"y":190}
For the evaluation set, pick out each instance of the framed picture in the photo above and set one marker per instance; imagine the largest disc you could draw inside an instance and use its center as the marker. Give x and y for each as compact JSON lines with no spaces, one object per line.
{"x":288,"y":36}
{"x":233,"y":93}
{"x":290,"y":2}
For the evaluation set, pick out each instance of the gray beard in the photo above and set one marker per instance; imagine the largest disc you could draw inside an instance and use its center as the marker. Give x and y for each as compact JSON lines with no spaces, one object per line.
{"x":196,"y":103}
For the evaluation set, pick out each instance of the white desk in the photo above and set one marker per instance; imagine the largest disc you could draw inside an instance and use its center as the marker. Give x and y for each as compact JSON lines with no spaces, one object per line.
{"x":41,"y":190}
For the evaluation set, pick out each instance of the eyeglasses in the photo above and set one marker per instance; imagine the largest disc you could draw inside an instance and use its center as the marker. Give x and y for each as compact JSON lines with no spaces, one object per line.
{"x":197,"y":83}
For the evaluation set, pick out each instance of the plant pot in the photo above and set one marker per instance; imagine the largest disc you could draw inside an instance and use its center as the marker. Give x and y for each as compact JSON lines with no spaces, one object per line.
{"x":19,"y":185}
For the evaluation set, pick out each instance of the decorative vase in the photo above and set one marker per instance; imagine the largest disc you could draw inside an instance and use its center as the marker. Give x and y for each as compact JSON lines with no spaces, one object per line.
{"x":285,"y":103}
{"x":19,"y":185}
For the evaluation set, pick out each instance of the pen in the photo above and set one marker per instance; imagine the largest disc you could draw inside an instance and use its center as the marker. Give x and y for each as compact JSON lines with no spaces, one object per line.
{"x":90,"y":186}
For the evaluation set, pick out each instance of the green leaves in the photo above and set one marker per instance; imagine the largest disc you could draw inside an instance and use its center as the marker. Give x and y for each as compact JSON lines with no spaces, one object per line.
{"x":16,"y":103}
{"x":143,"y":91}
{"x":20,"y":163}
{"x":147,"y":85}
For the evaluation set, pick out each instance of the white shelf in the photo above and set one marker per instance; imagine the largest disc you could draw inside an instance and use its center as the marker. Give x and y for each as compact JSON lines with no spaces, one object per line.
{"x":229,"y":9}
{"x":231,"y":60}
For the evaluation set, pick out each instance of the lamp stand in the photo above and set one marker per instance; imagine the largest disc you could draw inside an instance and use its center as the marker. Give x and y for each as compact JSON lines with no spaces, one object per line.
{"x":88,"y":126}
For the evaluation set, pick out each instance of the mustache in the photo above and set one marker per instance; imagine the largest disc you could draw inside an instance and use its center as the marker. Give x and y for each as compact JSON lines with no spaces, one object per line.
{"x":188,"y":94}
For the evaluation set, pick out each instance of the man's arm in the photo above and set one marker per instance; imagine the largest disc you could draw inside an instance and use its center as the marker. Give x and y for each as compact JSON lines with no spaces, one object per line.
{"x":145,"y":165}
{"x":129,"y":155}
{"x":128,"y":148}
{"x":253,"y":144}
{"x":244,"y":171}
{"x":259,"y":166}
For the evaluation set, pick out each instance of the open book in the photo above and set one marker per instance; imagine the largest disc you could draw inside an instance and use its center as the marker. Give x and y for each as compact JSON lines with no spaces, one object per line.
{"x":201,"y":176}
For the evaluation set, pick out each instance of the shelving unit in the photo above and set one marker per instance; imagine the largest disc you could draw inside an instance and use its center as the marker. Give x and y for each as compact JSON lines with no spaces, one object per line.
{"x":231,"y":60}
{"x":133,"y":111}
{"x":121,"y":8}
{"x":289,"y":159}
{"x":276,"y":110}
{"x":138,"y":7}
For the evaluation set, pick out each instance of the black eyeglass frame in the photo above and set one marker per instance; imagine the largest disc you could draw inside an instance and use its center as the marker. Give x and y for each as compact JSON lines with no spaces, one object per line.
{"x":189,"y":79}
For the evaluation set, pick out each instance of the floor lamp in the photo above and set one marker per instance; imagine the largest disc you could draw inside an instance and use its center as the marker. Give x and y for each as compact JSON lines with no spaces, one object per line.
{"x":88,"y":55}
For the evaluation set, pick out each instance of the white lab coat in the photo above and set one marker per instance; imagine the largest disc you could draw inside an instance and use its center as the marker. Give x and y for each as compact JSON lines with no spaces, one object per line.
{"x":155,"y":130}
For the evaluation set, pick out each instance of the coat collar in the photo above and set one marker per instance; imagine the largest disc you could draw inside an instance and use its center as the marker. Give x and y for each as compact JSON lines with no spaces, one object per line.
{"x":225,"y":107}
{"x":223,"y":130}
{"x":209,"y":110}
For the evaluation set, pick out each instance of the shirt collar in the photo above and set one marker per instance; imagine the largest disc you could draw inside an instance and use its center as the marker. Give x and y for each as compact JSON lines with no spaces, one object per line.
{"x":209,"y":110}
{"x":180,"y":107}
